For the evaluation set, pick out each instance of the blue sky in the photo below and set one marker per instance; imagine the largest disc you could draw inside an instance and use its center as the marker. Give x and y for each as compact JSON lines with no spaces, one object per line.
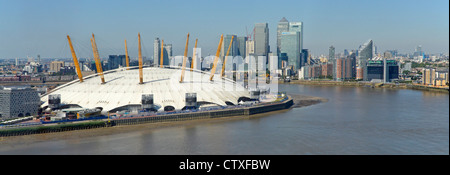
{"x":31,"y":27}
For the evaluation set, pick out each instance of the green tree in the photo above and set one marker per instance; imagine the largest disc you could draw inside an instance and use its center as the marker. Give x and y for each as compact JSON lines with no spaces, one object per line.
{"x":405,"y":72}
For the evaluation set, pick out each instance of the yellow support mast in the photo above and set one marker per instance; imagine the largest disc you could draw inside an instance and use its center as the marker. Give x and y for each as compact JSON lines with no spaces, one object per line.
{"x":225,"y":59}
{"x":141,"y":79}
{"x":213,"y":70}
{"x":184,"y":59}
{"x":75,"y":60}
{"x":194,"y":56}
{"x":97,"y":59}
{"x":127,"y":59}
{"x":162,"y":54}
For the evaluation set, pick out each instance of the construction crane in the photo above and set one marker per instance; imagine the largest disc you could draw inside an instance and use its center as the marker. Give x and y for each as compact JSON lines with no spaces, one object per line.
{"x":225,"y":59}
{"x":141,"y":79}
{"x":249,"y":36}
{"x":194,"y":56}
{"x":184,"y":59}
{"x":213,"y":70}
{"x":98,"y":64}
{"x":127,"y":59}
{"x":75,"y":60}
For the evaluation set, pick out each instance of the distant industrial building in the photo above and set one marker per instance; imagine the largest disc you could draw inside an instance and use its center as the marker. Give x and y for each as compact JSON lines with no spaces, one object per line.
{"x":114,"y":61}
{"x":226,"y":43}
{"x":290,"y":44}
{"x":383,"y":71}
{"x":242,"y":46}
{"x":18,"y":102}
{"x":55,"y":66}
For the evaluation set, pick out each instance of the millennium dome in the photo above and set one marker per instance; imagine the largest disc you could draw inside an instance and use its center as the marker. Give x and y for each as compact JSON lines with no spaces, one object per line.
{"x":122,"y":90}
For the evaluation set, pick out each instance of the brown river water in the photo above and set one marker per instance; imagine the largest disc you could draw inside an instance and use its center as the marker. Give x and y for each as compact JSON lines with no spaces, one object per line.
{"x":354,"y":120}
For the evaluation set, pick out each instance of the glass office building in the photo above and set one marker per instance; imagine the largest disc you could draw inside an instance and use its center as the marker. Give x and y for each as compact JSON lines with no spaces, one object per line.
{"x":290,"y":45}
{"x":375,"y":70}
{"x":365,"y":53}
{"x":297,"y":27}
{"x":261,"y":39}
{"x":241,"y":42}
{"x":226,"y":43}
{"x":283,"y":26}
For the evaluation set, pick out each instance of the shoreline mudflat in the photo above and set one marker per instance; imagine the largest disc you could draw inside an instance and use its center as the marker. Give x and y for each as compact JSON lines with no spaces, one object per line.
{"x":303,"y":100}
{"x":367,"y":84}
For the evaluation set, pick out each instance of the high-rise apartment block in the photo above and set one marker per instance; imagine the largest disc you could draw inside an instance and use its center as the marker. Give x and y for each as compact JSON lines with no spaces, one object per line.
{"x":344,"y":68}
{"x":331,"y":53}
{"x":55,"y":66}
{"x":249,"y":47}
{"x":365,"y":53}
{"x":167,"y":51}
{"x":156,"y":51}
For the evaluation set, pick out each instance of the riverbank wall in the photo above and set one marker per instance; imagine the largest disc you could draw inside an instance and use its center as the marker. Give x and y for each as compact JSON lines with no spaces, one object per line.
{"x":368,"y":84}
{"x":61,"y":127}
{"x":258,"y":109}
{"x":51,"y":128}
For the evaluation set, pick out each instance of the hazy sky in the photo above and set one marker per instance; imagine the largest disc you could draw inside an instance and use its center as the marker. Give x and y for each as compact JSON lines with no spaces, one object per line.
{"x":31,"y":27}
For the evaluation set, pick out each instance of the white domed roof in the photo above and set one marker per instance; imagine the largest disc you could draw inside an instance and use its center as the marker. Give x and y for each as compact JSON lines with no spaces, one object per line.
{"x":122,"y":88}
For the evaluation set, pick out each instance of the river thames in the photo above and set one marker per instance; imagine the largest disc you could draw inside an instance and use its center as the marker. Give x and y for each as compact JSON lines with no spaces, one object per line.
{"x":355,"y":120}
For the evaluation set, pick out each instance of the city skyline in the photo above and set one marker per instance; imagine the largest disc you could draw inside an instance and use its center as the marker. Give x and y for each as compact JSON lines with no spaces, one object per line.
{"x":39,"y":27}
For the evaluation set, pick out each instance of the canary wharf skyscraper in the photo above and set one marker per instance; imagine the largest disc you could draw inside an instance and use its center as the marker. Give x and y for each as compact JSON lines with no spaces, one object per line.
{"x":283,"y":26}
{"x":291,"y":43}
{"x":297,"y":27}
{"x":226,"y":43}
{"x":262,"y":39}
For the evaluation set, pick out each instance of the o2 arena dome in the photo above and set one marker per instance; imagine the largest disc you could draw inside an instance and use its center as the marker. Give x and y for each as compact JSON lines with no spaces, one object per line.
{"x":161,"y":90}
